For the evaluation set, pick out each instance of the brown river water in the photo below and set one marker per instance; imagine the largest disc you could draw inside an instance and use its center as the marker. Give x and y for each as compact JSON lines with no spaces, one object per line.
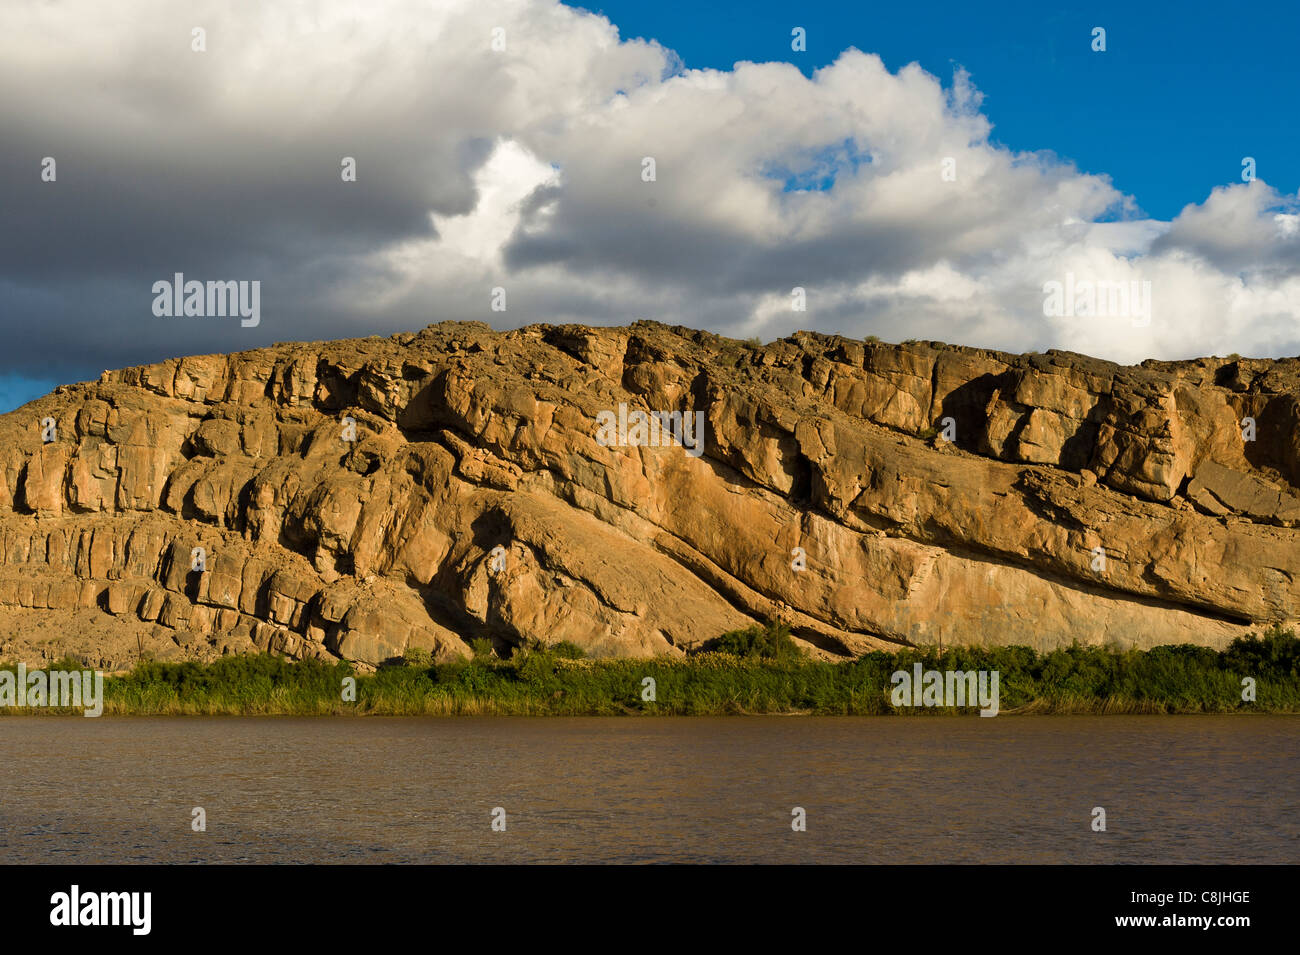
{"x":875,"y":790}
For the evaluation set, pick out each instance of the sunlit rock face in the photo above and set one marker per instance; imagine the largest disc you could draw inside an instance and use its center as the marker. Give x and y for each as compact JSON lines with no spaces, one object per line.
{"x":640,"y":490}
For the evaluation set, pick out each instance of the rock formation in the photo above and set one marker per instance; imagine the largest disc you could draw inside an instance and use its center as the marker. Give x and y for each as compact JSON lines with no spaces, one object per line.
{"x":361,"y":498}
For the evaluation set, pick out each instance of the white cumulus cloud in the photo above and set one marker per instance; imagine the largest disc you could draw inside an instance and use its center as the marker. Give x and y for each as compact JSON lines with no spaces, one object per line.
{"x":881,"y":194}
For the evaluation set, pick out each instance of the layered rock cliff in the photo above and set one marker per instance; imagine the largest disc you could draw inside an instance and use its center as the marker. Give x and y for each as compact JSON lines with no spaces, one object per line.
{"x":360,"y":498}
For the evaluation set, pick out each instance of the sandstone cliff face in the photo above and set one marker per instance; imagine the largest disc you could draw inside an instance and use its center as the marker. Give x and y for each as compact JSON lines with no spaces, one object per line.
{"x":361,"y":498}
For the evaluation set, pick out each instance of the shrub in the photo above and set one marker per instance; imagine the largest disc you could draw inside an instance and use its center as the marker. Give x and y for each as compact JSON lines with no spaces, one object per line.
{"x":418,"y":657}
{"x":533,"y":666}
{"x":1275,"y":653}
{"x":771,"y":642}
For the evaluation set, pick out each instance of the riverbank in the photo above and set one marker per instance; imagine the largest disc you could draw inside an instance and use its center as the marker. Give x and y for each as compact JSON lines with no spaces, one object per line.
{"x":756,"y":672}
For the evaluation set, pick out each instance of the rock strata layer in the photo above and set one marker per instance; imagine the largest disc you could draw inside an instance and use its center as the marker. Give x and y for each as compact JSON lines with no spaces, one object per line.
{"x":362,"y":498}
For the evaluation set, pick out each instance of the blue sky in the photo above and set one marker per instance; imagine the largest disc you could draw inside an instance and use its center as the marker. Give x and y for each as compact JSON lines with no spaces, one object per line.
{"x":1182,"y":93}
{"x":17,"y":390}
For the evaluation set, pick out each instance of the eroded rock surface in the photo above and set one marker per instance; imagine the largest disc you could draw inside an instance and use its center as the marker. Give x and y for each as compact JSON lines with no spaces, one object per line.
{"x":218,"y":503}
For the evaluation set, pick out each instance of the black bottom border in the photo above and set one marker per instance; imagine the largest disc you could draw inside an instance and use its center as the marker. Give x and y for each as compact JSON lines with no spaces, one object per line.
{"x":946,"y":904}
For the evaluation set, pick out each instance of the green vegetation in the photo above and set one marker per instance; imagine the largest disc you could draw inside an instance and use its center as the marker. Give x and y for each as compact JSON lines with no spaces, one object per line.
{"x":757,"y":670}
{"x":772,"y":642}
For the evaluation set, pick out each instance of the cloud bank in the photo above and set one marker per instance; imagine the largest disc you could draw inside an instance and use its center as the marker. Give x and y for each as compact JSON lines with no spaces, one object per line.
{"x":503,"y":144}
